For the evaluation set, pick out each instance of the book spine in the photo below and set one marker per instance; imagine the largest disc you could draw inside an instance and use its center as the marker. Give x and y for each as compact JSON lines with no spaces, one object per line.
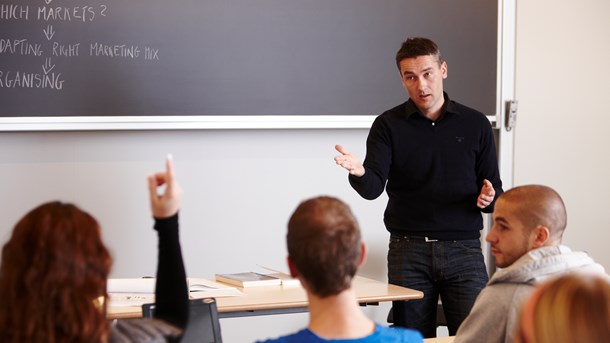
{"x":229,"y":281}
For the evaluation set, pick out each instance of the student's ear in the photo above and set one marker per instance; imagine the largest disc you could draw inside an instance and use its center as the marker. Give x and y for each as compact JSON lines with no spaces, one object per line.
{"x":292,"y":268}
{"x":363,"y":250}
{"x":541,"y":236}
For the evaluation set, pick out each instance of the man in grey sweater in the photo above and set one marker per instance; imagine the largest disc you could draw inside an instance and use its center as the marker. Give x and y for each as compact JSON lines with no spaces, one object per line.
{"x":525,"y":239}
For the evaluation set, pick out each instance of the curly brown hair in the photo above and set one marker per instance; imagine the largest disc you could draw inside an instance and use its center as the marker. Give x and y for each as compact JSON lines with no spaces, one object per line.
{"x":53,"y":278}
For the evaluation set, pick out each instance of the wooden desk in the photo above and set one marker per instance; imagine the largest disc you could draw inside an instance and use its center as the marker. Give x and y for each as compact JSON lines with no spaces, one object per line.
{"x":267,"y":300}
{"x":440,"y":340}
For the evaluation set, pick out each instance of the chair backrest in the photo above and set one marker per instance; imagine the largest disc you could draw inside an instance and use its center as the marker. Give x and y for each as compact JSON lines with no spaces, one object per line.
{"x":203,"y":325}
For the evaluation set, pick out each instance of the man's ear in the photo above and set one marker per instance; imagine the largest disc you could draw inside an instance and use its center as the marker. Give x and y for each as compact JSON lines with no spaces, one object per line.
{"x":293,"y":270}
{"x":363,"y":250}
{"x":541,"y":236}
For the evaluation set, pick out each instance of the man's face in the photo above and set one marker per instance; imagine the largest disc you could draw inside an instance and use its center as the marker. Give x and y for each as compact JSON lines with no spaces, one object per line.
{"x":422,"y":77}
{"x":508,"y":237}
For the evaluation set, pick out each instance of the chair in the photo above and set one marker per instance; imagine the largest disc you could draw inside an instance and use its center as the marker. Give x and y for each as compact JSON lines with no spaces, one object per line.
{"x":440,"y":316}
{"x":203,"y":325}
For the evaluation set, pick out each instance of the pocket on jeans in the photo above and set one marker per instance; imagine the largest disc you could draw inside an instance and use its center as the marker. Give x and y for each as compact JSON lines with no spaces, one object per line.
{"x":470,"y":245}
{"x":396,"y":242}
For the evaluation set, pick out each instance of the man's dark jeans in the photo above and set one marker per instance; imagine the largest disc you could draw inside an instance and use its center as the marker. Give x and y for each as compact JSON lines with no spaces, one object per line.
{"x":455,"y":270}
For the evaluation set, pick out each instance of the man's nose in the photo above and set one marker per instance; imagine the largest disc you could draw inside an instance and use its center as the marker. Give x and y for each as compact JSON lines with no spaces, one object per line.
{"x":421,"y":84}
{"x":490,"y":238}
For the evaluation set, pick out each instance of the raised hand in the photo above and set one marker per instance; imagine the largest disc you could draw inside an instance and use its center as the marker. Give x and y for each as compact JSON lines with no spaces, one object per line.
{"x":167,"y":203}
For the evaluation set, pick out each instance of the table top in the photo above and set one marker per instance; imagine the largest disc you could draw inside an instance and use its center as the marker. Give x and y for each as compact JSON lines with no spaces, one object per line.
{"x":278,"y":298}
{"x":440,"y":340}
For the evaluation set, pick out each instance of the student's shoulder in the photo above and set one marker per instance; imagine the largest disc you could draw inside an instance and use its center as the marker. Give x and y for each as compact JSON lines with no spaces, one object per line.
{"x":301,"y":336}
{"x":142,"y":330}
{"x":502,"y":295}
{"x":397,"y":334}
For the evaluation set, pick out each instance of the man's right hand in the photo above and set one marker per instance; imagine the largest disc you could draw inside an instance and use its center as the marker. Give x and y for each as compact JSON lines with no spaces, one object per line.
{"x":349,"y":162}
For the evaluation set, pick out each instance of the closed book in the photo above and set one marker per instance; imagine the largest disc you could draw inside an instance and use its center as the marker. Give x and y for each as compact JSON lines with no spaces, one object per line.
{"x":248,"y":279}
{"x":287,"y":279}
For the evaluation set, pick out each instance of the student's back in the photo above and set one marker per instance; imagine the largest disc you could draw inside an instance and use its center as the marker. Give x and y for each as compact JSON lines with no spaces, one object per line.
{"x":381,"y":334}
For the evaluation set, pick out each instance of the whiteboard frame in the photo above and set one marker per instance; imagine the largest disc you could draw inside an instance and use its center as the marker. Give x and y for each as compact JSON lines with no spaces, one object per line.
{"x":187,"y":122}
{"x":88,"y":123}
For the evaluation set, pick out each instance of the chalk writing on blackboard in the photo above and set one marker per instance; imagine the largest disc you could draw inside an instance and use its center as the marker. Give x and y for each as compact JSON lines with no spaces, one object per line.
{"x":49,"y":76}
{"x":257,"y":58}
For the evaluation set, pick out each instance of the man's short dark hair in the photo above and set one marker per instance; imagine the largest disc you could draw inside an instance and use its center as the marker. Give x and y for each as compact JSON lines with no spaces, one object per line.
{"x":418,"y":46}
{"x":324,"y":244}
{"x":538,"y":205}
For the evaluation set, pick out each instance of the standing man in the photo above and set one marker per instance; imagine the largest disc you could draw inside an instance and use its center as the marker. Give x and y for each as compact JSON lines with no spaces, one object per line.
{"x":438,"y":158}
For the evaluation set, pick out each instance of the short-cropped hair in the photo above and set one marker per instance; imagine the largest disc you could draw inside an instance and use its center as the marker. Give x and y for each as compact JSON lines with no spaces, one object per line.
{"x":324,"y":244}
{"x":418,"y":46}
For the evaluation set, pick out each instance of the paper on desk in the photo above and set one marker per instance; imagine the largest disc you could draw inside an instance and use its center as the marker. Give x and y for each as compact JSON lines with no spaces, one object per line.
{"x":130,"y":299}
{"x":138,"y":291}
{"x":204,"y":288}
{"x":133,"y":285}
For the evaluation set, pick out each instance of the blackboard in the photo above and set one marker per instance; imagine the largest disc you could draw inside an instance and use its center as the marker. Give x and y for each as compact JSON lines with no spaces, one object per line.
{"x":233,"y":57}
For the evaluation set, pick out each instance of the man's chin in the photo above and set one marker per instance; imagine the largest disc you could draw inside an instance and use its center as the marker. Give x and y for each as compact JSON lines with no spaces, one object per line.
{"x":500,"y":263}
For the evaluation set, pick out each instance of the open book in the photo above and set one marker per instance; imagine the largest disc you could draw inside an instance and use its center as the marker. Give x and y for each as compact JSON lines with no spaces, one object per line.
{"x":138,"y":291}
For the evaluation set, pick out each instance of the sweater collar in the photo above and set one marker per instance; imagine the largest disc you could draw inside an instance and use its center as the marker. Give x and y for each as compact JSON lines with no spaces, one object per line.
{"x":448,"y":107}
{"x":541,"y":263}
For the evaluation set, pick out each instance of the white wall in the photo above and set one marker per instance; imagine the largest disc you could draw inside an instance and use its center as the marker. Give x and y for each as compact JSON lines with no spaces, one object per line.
{"x":240,"y":188}
{"x":561,"y":138}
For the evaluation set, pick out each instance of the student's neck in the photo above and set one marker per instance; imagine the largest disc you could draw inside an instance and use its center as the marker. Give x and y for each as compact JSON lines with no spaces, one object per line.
{"x":338,"y":316}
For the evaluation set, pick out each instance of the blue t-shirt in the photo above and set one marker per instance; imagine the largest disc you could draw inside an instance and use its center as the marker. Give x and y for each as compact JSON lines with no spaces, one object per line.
{"x":381,"y":334}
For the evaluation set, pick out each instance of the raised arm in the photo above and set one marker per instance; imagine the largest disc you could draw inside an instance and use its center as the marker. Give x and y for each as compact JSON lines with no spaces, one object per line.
{"x":171,"y":293}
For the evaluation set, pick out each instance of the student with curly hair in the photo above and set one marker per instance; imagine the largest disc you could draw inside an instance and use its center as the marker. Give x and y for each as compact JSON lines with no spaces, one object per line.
{"x":54,"y":272}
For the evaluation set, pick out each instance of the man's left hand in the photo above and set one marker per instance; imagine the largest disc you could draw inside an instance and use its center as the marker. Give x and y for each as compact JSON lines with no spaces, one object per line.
{"x":487,"y":194}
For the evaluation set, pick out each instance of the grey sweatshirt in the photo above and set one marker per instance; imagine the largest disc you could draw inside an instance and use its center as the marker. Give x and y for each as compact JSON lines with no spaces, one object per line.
{"x":495,"y":313}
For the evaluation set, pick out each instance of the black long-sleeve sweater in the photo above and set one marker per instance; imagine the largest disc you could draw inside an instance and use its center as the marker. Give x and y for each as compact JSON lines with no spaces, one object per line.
{"x":171,"y":293}
{"x":434,"y":170}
